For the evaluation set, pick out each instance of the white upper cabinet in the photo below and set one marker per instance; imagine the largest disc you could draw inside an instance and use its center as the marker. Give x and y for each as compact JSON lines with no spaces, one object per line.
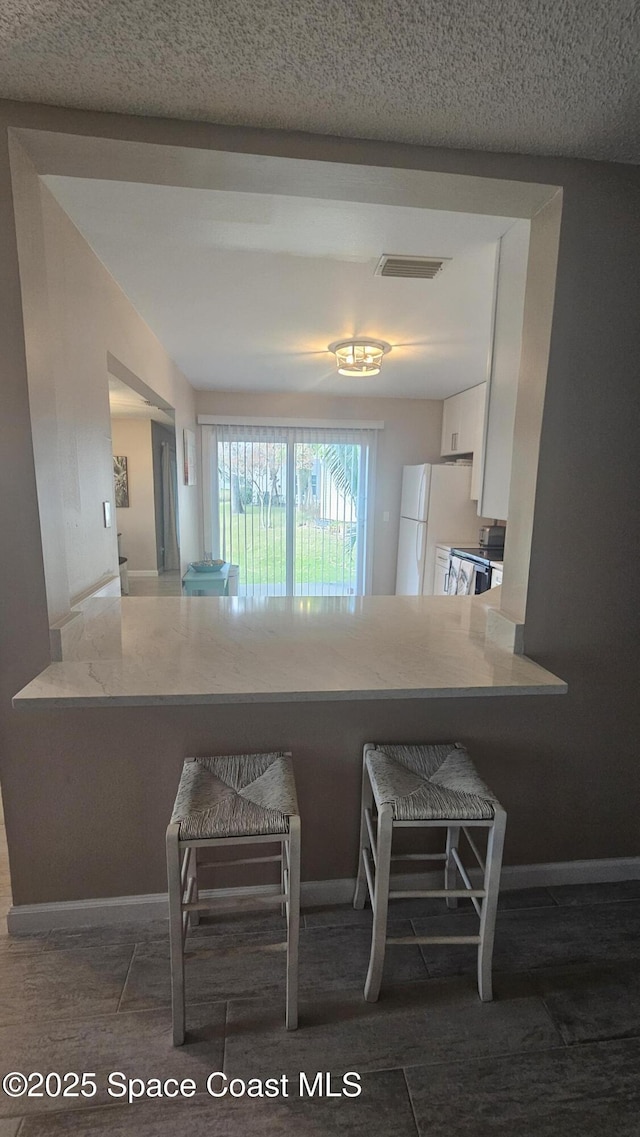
{"x":493,"y":499}
{"x":451,"y":426}
{"x":462,"y":421}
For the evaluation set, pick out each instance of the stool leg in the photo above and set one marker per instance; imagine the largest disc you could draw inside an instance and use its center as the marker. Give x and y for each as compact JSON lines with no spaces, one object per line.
{"x":283,"y":906}
{"x":194,"y":917}
{"x":293,"y":923}
{"x":493,"y":868}
{"x":175,"y":933}
{"x":450,"y":867}
{"x":380,"y":903}
{"x":366,"y":802}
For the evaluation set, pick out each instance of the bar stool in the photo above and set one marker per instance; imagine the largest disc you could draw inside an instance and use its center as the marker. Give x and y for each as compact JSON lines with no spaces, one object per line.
{"x":242,"y":799}
{"x":427,"y":786}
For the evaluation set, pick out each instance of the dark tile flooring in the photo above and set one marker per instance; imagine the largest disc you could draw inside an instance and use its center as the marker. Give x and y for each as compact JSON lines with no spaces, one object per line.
{"x":556,"y":1053}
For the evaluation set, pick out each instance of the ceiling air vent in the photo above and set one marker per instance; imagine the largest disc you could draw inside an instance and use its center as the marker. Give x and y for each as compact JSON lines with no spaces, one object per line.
{"x":412,"y":268}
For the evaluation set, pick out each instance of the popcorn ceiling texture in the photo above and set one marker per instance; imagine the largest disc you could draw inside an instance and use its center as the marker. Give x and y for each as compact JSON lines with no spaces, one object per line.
{"x":555,"y":77}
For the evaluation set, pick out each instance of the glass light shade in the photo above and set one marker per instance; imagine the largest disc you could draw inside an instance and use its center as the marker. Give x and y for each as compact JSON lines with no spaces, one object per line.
{"x":359,"y":357}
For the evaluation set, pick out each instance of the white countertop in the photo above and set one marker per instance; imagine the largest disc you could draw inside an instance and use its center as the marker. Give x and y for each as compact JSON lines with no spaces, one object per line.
{"x":139,"y":651}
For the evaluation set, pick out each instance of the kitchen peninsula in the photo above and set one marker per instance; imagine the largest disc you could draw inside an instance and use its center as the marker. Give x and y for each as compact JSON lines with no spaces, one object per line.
{"x":145,"y":682}
{"x":168,"y":651}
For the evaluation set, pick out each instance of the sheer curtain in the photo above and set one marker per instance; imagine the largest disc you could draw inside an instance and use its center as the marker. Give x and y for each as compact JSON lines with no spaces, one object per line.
{"x":292,"y":506}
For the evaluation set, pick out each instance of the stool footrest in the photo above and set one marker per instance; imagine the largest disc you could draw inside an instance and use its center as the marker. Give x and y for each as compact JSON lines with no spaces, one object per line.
{"x":419,"y":857}
{"x":229,"y":903}
{"x":442,"y":893}
{"x":244,"y":861}
{"x":434,"y":940}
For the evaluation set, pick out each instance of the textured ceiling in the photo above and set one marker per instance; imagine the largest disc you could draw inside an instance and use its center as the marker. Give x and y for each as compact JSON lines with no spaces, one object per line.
{"x":556,"y":77}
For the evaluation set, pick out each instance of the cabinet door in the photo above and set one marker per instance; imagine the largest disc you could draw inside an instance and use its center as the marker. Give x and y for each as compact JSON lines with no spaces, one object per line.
{"x":450,"y":426}
{"x":440,"y":579}
{"x":462,"y":421}
{"x":466,"y":435}
{"x":471,"y":418}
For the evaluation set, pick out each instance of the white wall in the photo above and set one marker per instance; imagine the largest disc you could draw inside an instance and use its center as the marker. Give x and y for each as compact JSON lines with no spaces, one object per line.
{"x":136,"y":523}
{"x":74,"y":314}
{"x":505,"y":369}
{"x":411,"y":434}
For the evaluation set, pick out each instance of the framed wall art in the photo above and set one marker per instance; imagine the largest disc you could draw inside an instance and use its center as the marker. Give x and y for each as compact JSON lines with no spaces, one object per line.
{"x":121,"y":481}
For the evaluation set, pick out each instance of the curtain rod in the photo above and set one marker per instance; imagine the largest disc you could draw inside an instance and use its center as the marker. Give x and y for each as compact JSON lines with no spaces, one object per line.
{"x":325,"y":423}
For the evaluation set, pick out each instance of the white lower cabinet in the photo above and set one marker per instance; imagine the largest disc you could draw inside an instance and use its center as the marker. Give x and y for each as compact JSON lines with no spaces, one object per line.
{"x":440,"y":580}
{"x":441,"y":575}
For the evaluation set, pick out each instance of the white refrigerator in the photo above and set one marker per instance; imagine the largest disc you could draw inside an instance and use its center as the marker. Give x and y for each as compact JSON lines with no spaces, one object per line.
{"x":435,"y":508}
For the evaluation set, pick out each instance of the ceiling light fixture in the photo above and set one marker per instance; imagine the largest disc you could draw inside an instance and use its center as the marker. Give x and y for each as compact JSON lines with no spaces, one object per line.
{"x":359,"y":356}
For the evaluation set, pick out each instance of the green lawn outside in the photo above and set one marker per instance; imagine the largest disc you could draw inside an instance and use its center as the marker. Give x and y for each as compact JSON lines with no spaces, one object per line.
{"x":323,"y":551}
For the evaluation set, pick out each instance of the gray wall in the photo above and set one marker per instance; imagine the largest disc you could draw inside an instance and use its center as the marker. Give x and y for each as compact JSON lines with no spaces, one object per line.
{"x":566,"y":768}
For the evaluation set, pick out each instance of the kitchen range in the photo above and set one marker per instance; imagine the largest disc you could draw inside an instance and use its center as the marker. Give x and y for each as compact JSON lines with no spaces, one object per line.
{"x":477,"y":569}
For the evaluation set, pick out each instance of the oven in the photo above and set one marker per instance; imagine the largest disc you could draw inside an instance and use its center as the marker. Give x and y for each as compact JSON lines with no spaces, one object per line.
{"x":470,"y":571}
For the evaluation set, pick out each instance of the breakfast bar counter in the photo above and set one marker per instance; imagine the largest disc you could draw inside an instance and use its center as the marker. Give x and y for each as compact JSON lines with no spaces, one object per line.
{"x":143,"y":682}
{"x":136,"y":651}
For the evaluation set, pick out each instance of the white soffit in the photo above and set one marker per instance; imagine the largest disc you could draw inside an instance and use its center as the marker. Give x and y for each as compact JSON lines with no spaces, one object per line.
{"x":124,"y":402}
{"x":246,"y":290}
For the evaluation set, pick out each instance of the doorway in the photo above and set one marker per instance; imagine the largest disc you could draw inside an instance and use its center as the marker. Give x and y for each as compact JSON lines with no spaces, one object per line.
{"x":165,"y":492}
{"x":146,"y":487}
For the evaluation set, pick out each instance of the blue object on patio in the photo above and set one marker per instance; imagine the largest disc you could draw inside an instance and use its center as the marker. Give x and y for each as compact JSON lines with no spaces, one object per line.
{"x":196,"y":583}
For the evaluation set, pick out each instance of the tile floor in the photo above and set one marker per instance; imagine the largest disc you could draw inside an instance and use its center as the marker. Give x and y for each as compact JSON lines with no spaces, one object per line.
{"x":167,"y":584}
{"x":556,"y":1053}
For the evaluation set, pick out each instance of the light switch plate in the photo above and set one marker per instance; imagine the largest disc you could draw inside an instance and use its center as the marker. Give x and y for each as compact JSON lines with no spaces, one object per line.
{"x":106,"y":513}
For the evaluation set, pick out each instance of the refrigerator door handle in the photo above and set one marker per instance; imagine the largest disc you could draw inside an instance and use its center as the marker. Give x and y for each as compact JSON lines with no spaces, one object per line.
{"x":420,"y":537}
{"x":421,"y":502}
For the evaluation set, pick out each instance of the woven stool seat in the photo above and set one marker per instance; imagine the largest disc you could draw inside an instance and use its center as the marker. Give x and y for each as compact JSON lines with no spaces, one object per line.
{"x":243,"y":795}
{"x":428,"y":783}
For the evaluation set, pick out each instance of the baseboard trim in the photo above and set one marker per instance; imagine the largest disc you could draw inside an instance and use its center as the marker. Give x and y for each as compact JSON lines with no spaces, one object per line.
{"x":142,"y":572}
{"x":24,"y":918}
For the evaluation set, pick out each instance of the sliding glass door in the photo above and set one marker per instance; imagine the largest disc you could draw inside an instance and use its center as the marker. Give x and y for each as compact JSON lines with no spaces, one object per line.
{"x":252,"y":510}
{"x":329,"y":544}
{"x":290,"y":507}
